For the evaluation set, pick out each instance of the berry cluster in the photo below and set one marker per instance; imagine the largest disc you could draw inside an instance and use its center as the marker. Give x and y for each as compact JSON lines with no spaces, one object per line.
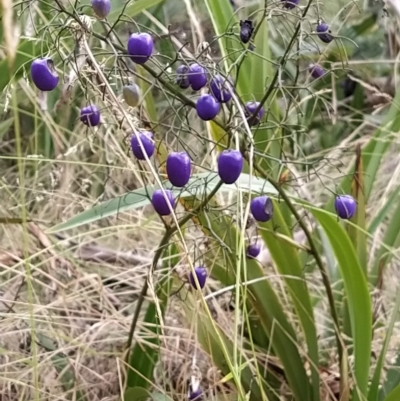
{"x":221,"y":90}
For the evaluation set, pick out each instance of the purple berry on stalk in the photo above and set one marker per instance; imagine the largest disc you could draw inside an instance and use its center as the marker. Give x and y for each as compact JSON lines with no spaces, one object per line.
{"x":197,"y":76}
{"x":178,"y":168}
{"x":140,"y":47}
{"x":262,"y":208}
{"x":146,"y":138}
{"x":246,"y":30}
{"x":316,"y":71}
{"x":252,"y":251}
{"x":90,"y":115}
{"x":251,"y":107}
{"x":221,"y":88}
{"x":289,"y":4}
{"x":201,"y":274}
{"x":195,"y":395}
{"x":207,"y":107}
{"x":345,"y":206}
{"x":161,"y":203}
{"x":230,"y":164}
{"x":43,"y":74}
{"x":101,"y":8}
{"x":182,"y":79}
{"x":324,"y":32}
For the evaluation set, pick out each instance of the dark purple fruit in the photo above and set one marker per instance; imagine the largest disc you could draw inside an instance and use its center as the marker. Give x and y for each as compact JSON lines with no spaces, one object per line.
{"x":345,"y":206}
{"x":221,"y":88}
{"x":230,"y":164}
{"x":195,"y":395}
{"x":349,"y":86}
{"x":201,"y":274}
{"x":101,"y":8}
{"x":246,"y":30}
{"x":161,"y":203}
{"x":262,"y":208}
{"x":252,"y":251}
{"x":178,"y":168}
{"x":197,"y":76}
{"x":140,"y":47}
{"x":43,"y":74}
{"x":146,"y":138}
{"x":207,"y":107}
{"x":90,"y":115}
{"x":324,"y":32}
{"x":251,"y":107}
{"x":316,"y":71}
{"x":289,"y":4}
{"x":182,"y":79}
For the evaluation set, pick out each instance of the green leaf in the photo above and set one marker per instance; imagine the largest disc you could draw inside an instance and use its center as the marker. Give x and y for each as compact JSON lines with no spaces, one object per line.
{"x":392,"y":379}
{"x":261,"y":297}
{"x":357,"y":294}
{"x":5,"y":126}
{"x":373,"y":394}
{"x":144,"y":355}
{"x":63,"y":367}
{"x":288,"y":264}
{"x":136,"y":394}
{"x":391,"y":241}
{"x":394,"y":394}
{"x":199,"y":185}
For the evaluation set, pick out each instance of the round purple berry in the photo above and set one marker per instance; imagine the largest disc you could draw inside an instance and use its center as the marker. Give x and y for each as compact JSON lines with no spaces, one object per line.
{"x":324,"y":32}
{"x":201,"y":274}
{"x":101,"y":8}
{"x":290,"y":4}
{"x":207,"y":107}
{"x":146,"y":138}
{"x":43,"y":74}
{"x":161,"y":203}
{"x":221,"y":88}
{"x":252,"y":251}
{"x":90,"y":115}
{"x":140,"y":47}
{"x":196,"y":394}
{"x":131,"y":94}
{"x":345,"y":206}
{"x":262,"y":208}
{"x":197,"y":76}
{"x":178,"y":168}
{"x":316,"y":71}
{"x":182,"y":79}
{"x":251,"y":107}
{"x":230,"y":164}
{"x":246,"y":30}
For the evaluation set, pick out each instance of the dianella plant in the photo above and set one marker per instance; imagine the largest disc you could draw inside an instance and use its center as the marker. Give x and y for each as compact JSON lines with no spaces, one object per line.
{"x":250,"y":134}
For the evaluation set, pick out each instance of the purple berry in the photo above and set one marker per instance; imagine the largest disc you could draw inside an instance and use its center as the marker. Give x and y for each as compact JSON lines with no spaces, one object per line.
{"x":221,"y":88}
{"x":201,"y":274}
{"x":324,"y":32}
{"x":140,"y":47}
{"x":289,"y":4}
{"x":207,"y":107}
{"x":230,"y":164}
{"x":262,"y":208}
{"x":252,"y":251}
{"x":246,"y":30}
{"x":146,"y":138}
{"x":195,"y":395}
{"x":43,"y":74}
{"x":90,"y":115}
{"x":251,"y":107}
{"x":182,"y":79}
{"x":345,"y":206}
{"x":178,"y":168}
{"x":101,"y":8}
{"x":160,"y":202}
{"x":316,"y":71}
{"x":197,"y":76}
